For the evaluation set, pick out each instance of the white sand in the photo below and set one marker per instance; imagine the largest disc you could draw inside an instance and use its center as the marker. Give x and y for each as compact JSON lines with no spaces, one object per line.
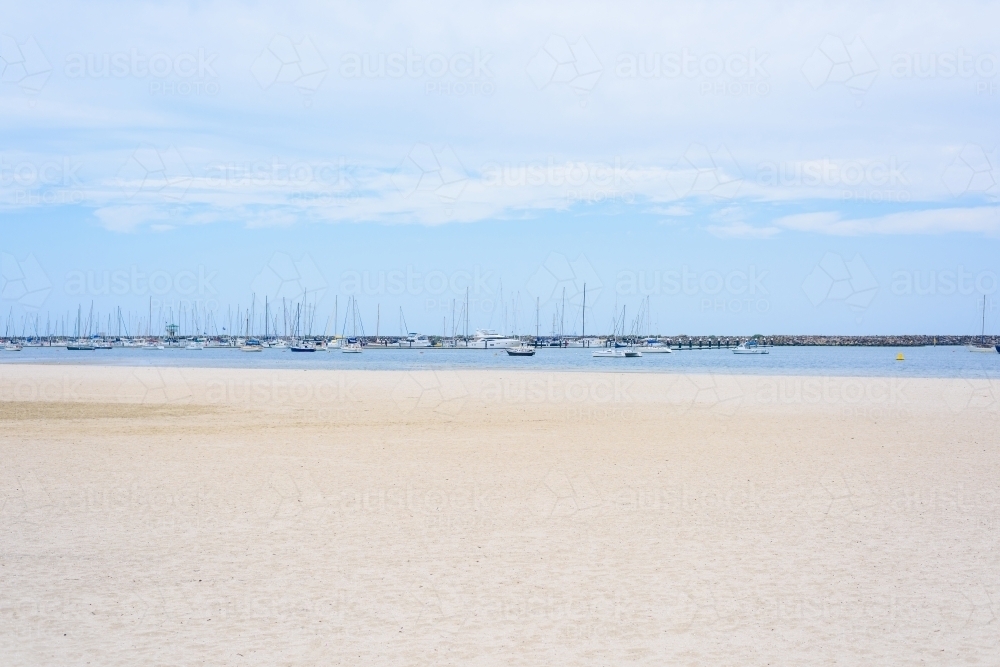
{"x":229,"y":517}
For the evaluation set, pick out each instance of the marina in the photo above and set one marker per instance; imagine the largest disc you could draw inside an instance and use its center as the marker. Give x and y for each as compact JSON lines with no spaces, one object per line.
{"x":865,"y":361}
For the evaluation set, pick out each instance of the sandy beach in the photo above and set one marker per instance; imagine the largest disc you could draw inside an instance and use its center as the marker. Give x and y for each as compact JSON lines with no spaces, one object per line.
{"x":245,"y":517}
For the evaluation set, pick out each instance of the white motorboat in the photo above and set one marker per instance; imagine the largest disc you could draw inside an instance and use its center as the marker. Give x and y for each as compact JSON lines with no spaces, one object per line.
{"x":307,"y":346}
{"x":609,"y":353}
{"x":488,"y":339}
{"x":12,"y":347}
{"x":194,"y":345}
{"x":749,"y":347}
{"x":351,"y":348}
{"x":415,"y":340}
{"x":632,"y":352}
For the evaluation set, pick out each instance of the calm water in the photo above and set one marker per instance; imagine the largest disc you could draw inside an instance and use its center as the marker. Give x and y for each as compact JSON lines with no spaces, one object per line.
{"x":845,"y":361}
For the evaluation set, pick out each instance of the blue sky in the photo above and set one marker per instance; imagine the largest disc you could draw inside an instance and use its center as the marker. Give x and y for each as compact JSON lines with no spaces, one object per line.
{"x":747,"y":167}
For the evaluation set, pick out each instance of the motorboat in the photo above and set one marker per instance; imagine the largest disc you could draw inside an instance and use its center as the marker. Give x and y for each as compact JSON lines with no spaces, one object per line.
{"x":12,"y":347}
{"x":632,"y":352}
{"x":415,"y":340}
{"x":351,"y":348}
{"x":306,"y":346}
{"x":103,"y":345}
{"x":521,"y":351}
{"x":194,"y":345}
{"x":610,"y":352}
{"x":749,"y":347}
{"x":79,"y":346}
{"x":488,"y":339}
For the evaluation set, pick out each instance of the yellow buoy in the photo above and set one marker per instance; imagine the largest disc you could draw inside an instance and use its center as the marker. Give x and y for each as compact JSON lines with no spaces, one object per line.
{"x":899,"y":357}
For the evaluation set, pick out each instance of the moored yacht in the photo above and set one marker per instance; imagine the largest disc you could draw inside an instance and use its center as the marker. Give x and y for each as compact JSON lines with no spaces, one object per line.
{"x":415,"y":340}
{"x":353,"y":346}
{"x":749,"y":347}
{"x":489,"y":339}
{"x":307,"y":346}
{"x":252,"y":345}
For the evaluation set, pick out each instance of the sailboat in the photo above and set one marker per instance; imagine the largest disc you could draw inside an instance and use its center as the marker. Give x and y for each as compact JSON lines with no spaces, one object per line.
{"x":982,"y":345}
{"x":353,"y":345}
{"x":81,"y":344}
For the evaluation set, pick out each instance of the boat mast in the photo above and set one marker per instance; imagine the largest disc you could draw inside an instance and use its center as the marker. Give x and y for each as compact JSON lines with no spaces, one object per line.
{"x":982,"y":332}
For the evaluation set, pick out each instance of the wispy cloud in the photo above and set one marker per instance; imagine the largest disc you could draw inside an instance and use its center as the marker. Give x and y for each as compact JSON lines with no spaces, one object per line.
{"x":982,"y":220}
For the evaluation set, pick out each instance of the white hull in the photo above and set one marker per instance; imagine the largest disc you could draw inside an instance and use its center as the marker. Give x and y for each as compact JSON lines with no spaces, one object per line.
{"x":494,"y":344}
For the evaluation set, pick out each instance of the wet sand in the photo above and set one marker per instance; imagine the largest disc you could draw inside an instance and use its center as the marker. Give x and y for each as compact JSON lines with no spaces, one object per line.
{"x":183,"y":516}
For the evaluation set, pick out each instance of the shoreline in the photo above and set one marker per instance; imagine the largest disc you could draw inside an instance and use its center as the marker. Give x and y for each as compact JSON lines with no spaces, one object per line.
{"x":451,"y":390}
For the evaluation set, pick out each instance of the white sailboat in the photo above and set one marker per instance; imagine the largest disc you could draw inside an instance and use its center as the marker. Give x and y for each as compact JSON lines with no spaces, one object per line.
{"x":982,"y":345}
{"x":353,"y":345}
